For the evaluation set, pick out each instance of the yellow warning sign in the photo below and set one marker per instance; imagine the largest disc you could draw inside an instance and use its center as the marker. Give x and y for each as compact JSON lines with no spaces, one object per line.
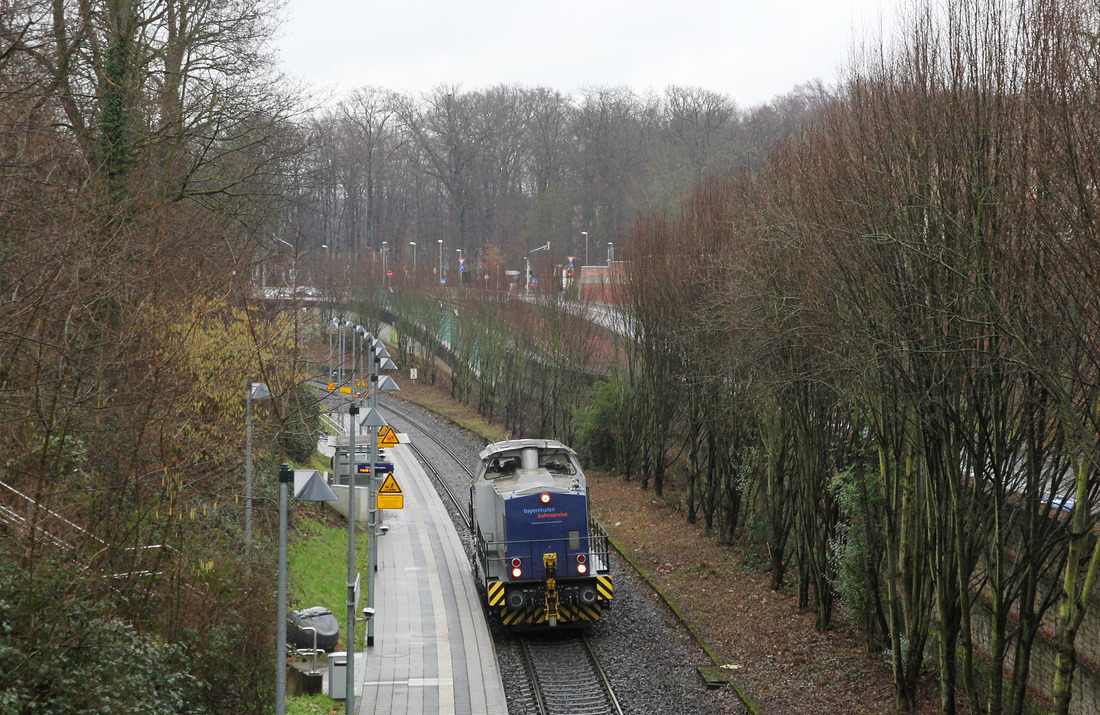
{"x":331,"y":386}
{"x":391,"y":501}
{"x":345,"y":390}
{"x":387,"y":437}
{"x":389,"y":494}
{"x":389,"y":486}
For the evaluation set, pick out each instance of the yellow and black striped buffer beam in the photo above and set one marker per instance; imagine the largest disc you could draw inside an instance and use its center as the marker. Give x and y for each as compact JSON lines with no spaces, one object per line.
{"x":604,"y":587}
{"x":496,"y":593}
{"x":516,"y":618}
{"x":580,"y":612}
{"x":537,"y":615}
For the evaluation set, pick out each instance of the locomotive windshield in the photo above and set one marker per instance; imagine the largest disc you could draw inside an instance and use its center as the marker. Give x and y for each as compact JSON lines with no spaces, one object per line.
{"x":505,"y":465}
{"x":558,"y":463}
{"x":501,"y":466}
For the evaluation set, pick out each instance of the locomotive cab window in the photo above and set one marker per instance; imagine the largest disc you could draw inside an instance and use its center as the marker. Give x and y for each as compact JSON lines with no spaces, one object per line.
{"x":557,"y":464}
{"x":501,"y":467}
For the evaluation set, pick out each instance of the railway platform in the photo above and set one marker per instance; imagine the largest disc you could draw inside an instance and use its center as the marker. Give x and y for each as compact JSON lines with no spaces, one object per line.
{"x":432,"y":650}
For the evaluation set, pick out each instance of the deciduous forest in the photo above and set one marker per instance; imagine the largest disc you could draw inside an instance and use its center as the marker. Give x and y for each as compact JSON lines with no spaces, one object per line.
{"x":858,"y":323}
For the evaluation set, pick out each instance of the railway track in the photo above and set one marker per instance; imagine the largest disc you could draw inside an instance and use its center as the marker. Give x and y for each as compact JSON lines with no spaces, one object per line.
{"x":566,"y":676}
{"x":563,"y":673}
{"x":428,"y":463}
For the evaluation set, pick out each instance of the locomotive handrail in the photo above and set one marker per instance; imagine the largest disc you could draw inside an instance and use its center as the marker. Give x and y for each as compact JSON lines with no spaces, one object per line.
{"x":480,"y":550}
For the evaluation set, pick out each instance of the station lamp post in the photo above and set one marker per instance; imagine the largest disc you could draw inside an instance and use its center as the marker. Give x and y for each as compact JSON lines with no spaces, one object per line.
{"x":384,"y":264}
{"x":585,"y":234}
{"x":352,"y":583}
{"x":335,"y":325}
{"x":610,"y":252}
{"x":413,"y":244}
{"x":440,"y":242}
{"x":255,"y":391}
{"x":349,"y":338}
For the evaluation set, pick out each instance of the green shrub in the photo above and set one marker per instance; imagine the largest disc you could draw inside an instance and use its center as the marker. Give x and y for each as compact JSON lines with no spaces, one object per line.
{"x":60,"y":653}
{"x":597,"y":425}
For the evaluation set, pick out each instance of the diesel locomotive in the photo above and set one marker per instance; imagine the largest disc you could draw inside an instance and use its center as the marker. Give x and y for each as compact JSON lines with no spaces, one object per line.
{"x":542,"y":560}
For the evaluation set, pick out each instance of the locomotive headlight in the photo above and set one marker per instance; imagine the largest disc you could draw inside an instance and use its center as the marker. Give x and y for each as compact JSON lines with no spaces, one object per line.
{"x":517,"y":572}
{"x":582,"y":569}
{"x":545,"y":498}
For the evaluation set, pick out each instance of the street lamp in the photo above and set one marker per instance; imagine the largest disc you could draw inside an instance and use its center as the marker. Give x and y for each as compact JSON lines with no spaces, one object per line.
{"x":610,"y":252}
{"x":363,"y":335}
{"x":253,"y":391}
{"x":342,"y":329}
{"x":349,"y":341}
{"x":335,"y":325}
{"x":585,"y":234}
{"x":440,"y":242}
{"x":315,"y":489}
{"x":413,"y":244}
{"x":383,"y":264}
{"x":460,"y":266}
{"x":527,"y":261}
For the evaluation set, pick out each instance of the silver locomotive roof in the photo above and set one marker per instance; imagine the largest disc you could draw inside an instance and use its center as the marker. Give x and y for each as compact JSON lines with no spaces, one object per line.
{"x":514,"y":444}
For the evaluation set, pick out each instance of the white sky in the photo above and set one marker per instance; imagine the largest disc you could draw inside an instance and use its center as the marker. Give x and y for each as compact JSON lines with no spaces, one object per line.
{"x":750,"y":50}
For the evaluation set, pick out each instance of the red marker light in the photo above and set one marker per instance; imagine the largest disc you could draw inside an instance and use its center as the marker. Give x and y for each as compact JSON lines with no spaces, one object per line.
{"x":581,"y":558}
{"x":515,"y":562}
{"x":545,"y":498}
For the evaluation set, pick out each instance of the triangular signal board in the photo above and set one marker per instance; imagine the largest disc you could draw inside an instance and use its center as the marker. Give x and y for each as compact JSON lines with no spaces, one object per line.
{"x":387,"y":437}
{"x":389,"y":486}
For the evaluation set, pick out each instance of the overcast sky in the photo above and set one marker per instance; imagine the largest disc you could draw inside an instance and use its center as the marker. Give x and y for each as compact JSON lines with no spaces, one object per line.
{"x":750,"y":50}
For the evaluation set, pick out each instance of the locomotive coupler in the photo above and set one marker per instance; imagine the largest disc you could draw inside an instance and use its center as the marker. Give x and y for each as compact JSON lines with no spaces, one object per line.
{"x":550,"y":562}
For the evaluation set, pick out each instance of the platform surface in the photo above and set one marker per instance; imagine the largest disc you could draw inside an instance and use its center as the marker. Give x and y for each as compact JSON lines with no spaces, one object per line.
{"x":432,"y":649}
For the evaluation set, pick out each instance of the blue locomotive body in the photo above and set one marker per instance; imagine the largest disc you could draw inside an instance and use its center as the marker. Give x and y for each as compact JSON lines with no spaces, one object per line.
{"x":542,"y":560}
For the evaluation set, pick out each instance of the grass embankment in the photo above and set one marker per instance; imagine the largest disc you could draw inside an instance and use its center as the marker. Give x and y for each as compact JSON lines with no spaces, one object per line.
{"x":317,"y":564}
{"x":317,"y":568}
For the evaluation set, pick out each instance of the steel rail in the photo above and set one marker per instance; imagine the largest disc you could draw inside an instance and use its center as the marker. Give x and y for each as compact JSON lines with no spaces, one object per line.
{"x":566,"y":677}
{"x":427,"y":463}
